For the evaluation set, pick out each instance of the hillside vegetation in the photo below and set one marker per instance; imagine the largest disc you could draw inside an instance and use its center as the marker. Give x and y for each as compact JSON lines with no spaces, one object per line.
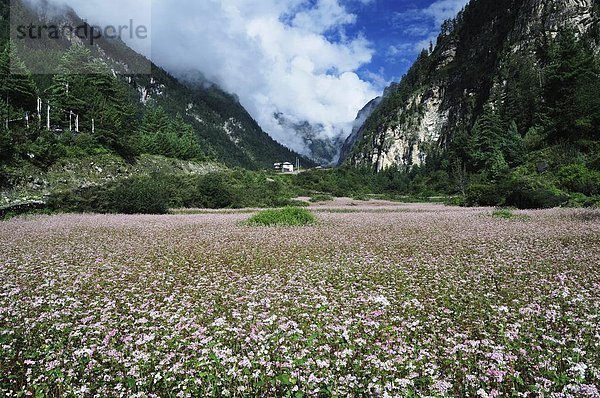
{"x":504,"y":110}
{"x":94,"y":111}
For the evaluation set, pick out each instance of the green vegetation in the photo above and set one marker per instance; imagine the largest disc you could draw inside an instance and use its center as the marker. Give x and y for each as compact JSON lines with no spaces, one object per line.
{"x":321,"y":198}
{"x":157,"y":193}
{"x":287,"y":216}
{"x":509,"y":142}
{"x":503,"y":213}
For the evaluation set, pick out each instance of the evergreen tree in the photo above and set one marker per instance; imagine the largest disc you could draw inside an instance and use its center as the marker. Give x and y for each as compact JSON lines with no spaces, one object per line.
{"x":154,"y":123}
{"x":512,"y":146}
{"x":188,"y":144}
{"x":18,"y":90}
{"x":86,"y":87}
{"x":486,"y":139}
{"x":572,"y":90}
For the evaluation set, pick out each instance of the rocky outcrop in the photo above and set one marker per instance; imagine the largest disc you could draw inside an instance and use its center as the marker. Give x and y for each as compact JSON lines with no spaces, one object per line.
{"x":357,"y":130}
{"x":448,"y":88}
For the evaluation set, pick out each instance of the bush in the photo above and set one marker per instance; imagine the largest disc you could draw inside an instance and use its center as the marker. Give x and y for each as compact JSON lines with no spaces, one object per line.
{"x":288,"y":216}
{"x":214,"y":191}
{"x":95,"y":199}
{"x":141,"y":195}
{"x":578,"y":178}
{"x":361,"y":197}
{"x":483,"y":195}
{"x":530,"y":192}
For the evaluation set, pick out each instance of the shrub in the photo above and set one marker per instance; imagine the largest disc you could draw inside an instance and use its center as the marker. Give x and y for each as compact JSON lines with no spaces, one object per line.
{"x":506,"y":214}
{"x":578,"y":178}
{"x":361,"y":197}
{"x":483,"y":195}
{"x":214,"y":191}
{"x":531,"y":192}
{"x":141,"y":195}
{"x":287,"y":216}
{"x":94,"y":199}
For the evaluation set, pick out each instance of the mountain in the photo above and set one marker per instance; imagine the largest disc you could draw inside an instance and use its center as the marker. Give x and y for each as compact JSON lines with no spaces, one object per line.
{"x":323,"y":150}
{"x":357,"y":130}
{"x":516,"y":63}
{"x":162,"y":112}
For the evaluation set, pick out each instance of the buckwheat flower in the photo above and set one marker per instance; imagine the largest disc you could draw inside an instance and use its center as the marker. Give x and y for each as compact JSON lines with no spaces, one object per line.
{"x":403,"y":383}
{"x":381,"y":300}
{"x":442,"y":387}
{"x":245,"y":363}
{"x":497,"y":375}
{"x":52,"y":365}
{"x":578,"y":370}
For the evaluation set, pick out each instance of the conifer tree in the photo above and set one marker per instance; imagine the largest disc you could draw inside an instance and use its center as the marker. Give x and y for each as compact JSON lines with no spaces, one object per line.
{"x":571,"y":89}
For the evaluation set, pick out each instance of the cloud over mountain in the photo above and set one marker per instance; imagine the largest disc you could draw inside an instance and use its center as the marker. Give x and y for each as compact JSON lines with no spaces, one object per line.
{"x":279,"y":56}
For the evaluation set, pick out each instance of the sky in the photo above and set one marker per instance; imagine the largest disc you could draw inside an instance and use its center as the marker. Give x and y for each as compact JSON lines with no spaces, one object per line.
{"x":319,"y":61}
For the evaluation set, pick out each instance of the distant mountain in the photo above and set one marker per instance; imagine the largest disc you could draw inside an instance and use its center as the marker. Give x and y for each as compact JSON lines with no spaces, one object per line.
{"x":516,"y":64}
{"x":224,"y":129}
{"x":323,"y":150}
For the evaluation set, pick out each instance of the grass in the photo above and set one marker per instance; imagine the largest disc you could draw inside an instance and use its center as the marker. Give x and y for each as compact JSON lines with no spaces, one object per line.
{"x":287,"y":216}
{"x":509,"y":214}
{"x":506,"y":214}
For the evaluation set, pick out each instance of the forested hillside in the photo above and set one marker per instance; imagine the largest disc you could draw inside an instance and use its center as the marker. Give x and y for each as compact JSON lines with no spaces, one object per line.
{"x":86,"y":109}
{"x":505,"y":109}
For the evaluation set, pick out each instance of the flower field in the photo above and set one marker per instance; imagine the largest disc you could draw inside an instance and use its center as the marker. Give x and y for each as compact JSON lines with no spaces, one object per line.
{"x":388,"y":301}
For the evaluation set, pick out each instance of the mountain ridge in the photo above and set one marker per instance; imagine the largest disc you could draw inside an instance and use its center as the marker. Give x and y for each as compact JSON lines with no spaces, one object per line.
{"x":448,"y":89}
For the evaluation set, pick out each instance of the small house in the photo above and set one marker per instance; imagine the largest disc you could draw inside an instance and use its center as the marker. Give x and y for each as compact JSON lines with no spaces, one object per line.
{"x":287,"y":167}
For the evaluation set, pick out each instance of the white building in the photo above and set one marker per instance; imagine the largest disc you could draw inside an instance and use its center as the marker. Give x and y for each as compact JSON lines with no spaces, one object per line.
{"x":287,"y":167}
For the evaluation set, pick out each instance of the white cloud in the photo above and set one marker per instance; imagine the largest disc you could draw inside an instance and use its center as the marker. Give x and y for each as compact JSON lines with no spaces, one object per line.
{"x":276,"y":55}
{"x":442,"y":10}
{"x":421,"y":25}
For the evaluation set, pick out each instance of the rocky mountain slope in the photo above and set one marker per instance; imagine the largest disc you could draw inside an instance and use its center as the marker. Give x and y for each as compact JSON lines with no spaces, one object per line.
{"x":493,"y":53}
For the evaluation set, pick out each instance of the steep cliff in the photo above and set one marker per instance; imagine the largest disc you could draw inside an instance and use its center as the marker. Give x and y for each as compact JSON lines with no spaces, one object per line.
{"x":492,"y":53}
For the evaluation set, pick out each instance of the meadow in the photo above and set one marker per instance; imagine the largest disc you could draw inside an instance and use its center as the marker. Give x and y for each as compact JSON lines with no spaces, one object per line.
{"x":373,"y":300}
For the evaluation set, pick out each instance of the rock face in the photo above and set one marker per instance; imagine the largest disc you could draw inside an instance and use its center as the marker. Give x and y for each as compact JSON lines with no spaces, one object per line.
{"x":447,"y":89}
{"x":357,"y":131}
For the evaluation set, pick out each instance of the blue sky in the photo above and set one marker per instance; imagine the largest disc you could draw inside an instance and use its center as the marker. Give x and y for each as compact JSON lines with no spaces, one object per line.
{"x":398,"y":30}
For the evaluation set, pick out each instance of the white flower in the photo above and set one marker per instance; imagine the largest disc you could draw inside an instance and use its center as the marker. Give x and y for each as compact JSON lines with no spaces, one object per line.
{"x":381,"y":300}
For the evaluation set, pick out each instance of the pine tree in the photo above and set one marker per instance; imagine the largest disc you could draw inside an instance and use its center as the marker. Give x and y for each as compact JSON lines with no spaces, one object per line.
{"x":512,"y":146}
{"x":188,"y":144}
{"x":86,"y":87}
{"x":571,"y":90}
{"x":18,"y":90}
{"x":486,"y":140}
